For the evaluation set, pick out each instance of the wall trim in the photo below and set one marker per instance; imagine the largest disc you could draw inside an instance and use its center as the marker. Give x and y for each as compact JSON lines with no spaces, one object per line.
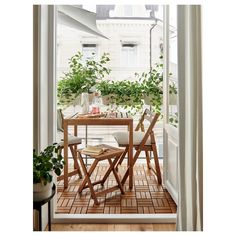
{"x":114,"y":218}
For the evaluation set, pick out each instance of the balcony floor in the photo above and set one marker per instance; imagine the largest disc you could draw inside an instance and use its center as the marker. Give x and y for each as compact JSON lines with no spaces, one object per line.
{"x":147,"y":197}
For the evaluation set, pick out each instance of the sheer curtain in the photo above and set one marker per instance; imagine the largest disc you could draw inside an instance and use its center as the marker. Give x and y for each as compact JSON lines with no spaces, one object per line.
{"x":190,"y":173}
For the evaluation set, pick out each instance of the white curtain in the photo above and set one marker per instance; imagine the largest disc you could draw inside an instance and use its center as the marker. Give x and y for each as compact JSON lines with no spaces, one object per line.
{"x":190,"y":173}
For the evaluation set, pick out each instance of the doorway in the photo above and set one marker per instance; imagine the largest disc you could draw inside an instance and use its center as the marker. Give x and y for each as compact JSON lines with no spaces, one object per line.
{"x":170,"y":134}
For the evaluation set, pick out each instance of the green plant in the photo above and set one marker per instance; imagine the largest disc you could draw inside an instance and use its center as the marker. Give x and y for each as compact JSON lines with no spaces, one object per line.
{"x":125,"y":94}
{"x":81,"y":77}
{"x":152,"y":86}
{"x":45,"y":163}
{"x":106,"y":87}
{"x":173,"y":119}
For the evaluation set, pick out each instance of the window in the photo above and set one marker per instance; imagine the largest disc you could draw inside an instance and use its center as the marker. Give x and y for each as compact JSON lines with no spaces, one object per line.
{"x":129,"y":55}
{"x":89,"y":51}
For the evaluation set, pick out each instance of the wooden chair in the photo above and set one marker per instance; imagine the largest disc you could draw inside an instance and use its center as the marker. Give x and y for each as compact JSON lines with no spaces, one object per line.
{"x":109,"y":154}
{"x":73,"y":141}
{"x":142,"y":141}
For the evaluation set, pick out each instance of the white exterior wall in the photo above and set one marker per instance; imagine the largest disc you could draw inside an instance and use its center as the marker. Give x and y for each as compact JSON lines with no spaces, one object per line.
{"x":129,"y":31}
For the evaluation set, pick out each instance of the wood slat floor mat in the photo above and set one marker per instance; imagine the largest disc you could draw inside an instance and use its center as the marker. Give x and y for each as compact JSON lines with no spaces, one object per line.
{"x":147,"y":197}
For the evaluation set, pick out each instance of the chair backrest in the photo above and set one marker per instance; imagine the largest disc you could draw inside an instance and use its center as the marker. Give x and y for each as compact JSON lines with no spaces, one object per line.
{"x":60,"y":120}
{"x":152,"y":117}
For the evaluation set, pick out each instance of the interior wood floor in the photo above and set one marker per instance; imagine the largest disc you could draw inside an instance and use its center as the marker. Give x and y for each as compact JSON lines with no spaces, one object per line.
{"x":113,"y":227}
{"x":147,"y":197}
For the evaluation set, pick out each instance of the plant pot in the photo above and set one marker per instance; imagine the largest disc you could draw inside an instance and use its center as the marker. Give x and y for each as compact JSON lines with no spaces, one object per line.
{"x":148,"y":99}
{"x":106,"y":100}
{"x":42,"y":191}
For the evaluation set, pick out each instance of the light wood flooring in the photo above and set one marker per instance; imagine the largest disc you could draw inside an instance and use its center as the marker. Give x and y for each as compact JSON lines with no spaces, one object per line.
{"x":147,"y":197}
{"x":113,"y":227}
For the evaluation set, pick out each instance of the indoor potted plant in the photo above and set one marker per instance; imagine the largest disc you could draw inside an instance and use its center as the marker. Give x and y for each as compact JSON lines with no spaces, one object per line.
{"x":44,"y":165}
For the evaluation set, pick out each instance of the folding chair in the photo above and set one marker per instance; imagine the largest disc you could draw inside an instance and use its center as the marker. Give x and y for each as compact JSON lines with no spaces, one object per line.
{"x":73,"y":141}
{"x":142,"y":141}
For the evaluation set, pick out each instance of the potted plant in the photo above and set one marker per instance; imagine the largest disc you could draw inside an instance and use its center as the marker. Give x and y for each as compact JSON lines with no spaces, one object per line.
{"x":81,"y":78}
{"x":106,"y":89}
{"x":46,"y":163}
{"x":125,"y":94}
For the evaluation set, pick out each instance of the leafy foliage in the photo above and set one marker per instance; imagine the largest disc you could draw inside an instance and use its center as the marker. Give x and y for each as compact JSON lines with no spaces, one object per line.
{"x":173,"y":119}
{"x":152,"y":85}
{"x":45,"y":162}
{"x":130,"y":94}
{"x":126,"y":94}
{"x":81,"y":77}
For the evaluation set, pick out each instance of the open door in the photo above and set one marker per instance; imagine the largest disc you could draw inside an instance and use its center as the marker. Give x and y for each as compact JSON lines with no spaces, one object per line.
{"x":170,"y":108}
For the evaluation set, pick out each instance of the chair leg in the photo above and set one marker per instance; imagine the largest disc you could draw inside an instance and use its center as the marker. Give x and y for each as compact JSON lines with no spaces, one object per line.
{"x":122,"y":157}
{"x":76,"y":164}
{"x":108,"y":171}
{"x":148,"y":159}
{"x":92,"y":190}
{"x":74,"y":148}
{"x":127,"y":171}
{"x":112,"y":164}
{"x":86,"y":173}
{"x":157,"y":166}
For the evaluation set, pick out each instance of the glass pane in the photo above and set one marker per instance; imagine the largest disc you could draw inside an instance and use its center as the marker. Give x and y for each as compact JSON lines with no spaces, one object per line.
{"x":89,"y":52}
{"x":129,"y":55}
{"x":173,"y":73}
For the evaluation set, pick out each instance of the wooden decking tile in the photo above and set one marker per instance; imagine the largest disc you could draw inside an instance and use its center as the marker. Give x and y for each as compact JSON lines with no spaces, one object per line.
{"x":129,"y":210}
{"x":144,"y":202}
{"x":147,"y":197}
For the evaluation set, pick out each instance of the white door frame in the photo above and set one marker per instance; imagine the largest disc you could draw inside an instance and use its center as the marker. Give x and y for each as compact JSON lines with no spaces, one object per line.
{"x":170,"y":133}
{"x":50,"y":48}
{"x":44,"y":81}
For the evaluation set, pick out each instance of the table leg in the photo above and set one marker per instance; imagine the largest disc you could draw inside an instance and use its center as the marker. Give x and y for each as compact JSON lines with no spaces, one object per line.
{"x":65,"y":126}
{"x":49,"y":216}
{"x":130,"y":155}
{"x":75,"y":134}
{"x":86,"y":143}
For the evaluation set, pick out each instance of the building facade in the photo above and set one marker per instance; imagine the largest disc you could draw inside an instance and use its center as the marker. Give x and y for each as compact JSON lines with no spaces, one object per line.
{"x":128,"y":29}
